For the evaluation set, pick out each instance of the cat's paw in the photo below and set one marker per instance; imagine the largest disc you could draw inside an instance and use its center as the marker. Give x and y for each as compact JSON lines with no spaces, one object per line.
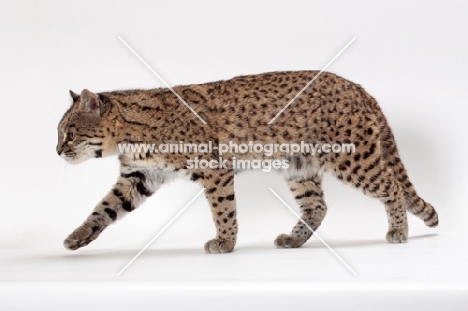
{"x":287,"y":241}
{"x":397,"y":235}
{"x":219,"y":246}
{"x":82,"y":236}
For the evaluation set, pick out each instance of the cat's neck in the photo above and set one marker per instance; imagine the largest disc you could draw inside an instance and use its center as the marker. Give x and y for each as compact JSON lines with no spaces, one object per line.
{"x":145,"y":116}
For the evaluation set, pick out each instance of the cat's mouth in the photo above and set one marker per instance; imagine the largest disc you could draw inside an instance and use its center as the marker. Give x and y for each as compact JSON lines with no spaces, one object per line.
{"x":74,"y":158}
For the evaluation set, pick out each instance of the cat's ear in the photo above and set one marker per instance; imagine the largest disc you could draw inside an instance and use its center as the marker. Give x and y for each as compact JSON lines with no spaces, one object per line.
{"x":90,"y":103}
{"x":74,"y":96}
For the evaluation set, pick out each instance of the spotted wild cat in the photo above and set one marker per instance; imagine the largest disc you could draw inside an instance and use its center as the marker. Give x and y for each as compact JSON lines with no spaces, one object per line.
{"x":331,"y":110}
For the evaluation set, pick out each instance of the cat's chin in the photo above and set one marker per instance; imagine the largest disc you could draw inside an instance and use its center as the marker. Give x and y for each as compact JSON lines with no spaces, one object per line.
{"x":75,"y":161}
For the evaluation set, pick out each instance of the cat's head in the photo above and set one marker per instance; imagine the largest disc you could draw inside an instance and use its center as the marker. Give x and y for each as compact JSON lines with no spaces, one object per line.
{"x":81,"y":132}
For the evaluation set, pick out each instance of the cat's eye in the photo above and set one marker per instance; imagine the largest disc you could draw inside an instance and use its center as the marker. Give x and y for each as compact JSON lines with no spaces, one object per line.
{"x":70,"y":136}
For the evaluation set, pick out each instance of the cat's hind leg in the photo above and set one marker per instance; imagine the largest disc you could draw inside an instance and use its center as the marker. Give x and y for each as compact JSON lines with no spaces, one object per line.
{"x":392,"y":195}
{"x":375,"y":179}
{"x":309,"y":195}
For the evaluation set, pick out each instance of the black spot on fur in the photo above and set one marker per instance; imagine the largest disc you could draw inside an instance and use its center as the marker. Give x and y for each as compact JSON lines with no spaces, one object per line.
{"x":211,"y":190}
{"x":371,"y":151}
{"x":357,"y":168}
{"x":196,"y":176}
{"x":127,"y":205}
{"x":112,"y":214}
{"x":227,"y":181}
{"x":142,"y":189}
{"x":117,"y":193}
{"x":306,"y":194}
{"x":138,"y":175}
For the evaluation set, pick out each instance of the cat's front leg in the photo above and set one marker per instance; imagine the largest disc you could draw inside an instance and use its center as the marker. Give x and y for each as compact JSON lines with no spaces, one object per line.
{"x":132,"y":188}
{"x":219,"y":190}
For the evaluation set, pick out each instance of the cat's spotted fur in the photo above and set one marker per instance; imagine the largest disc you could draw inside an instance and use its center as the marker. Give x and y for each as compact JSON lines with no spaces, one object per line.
{"x":331,"y":110}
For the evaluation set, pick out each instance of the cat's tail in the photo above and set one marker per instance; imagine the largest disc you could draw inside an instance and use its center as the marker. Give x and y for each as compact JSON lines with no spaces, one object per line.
{"x":414,"y":203}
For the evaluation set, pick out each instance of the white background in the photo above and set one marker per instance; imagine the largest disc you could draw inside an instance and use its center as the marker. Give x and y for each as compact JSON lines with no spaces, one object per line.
{"x":411,"y":56}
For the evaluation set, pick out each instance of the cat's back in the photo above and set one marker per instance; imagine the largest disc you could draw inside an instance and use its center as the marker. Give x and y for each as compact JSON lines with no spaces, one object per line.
{"x":315,"y":103}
